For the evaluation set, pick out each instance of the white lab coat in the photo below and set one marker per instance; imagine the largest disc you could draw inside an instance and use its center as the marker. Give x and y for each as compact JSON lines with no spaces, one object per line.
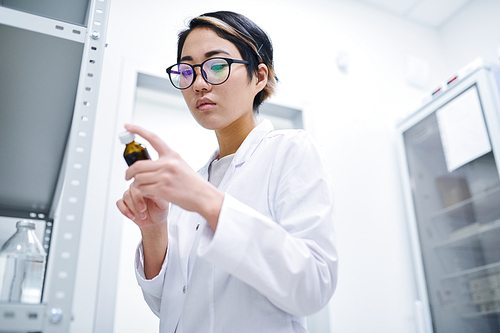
{"x":274,"y":248}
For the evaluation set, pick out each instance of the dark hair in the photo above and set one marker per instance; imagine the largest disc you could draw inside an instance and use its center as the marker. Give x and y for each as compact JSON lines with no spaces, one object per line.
{"x":251,"y":41}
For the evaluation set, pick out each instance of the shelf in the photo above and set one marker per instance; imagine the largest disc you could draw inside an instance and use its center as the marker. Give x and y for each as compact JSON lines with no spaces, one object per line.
{"x":485,"y":206}
{"x":476,"y":249}
{"x":31,"y":315}
{"x":42,"y":25}
{"x":75,"y":11}
{"x":481,"y":315}
{"x":479,"y":231}
{"x":474,"y":272}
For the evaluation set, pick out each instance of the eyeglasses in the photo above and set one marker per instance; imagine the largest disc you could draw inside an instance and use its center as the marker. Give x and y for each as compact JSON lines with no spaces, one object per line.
{"x":214,"y":71}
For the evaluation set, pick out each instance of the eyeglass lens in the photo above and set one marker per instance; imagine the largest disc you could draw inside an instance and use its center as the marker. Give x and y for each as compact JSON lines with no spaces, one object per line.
{"x":215,"y":71}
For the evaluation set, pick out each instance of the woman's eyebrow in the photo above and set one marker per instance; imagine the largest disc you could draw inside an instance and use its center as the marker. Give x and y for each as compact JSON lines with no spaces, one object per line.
{"x":186,"y":58}
{"x":207,"y":55}
{"x":215,"y":52}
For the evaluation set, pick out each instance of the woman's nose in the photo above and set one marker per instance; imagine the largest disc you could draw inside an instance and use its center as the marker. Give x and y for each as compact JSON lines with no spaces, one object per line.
{"x":199,"y":83}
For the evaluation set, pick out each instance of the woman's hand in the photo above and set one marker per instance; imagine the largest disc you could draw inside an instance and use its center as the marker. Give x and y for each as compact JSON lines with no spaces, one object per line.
{"x":145,"y":212}
{"x":150,"y":215}
{"x":168,"y":179}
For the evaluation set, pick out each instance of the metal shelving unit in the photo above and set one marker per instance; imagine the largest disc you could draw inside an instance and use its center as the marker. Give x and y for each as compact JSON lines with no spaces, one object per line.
{"x":50,"y":63}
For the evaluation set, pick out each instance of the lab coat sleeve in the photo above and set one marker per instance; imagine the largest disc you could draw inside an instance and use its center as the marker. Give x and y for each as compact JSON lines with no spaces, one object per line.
{"x":290,"y":258}
{"x":151,"y":289}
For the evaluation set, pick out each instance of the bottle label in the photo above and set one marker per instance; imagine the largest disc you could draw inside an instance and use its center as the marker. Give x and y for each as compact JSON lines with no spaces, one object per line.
{"x":135,"y":156}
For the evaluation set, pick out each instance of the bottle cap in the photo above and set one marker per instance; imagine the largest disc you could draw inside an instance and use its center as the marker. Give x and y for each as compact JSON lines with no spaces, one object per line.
{"x":25,"y":224}
{"x":126,"y":137}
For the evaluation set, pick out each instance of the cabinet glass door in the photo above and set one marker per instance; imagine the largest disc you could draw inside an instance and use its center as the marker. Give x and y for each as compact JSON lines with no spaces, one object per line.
{"x":456,"y":197}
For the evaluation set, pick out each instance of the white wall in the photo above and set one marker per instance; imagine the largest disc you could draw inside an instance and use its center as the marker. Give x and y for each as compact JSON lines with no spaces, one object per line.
{"x":351,"y":114}
{"x":473,"y":32}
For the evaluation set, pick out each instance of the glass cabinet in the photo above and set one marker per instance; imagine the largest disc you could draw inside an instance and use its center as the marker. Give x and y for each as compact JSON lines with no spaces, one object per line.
{"x":450,"y":168}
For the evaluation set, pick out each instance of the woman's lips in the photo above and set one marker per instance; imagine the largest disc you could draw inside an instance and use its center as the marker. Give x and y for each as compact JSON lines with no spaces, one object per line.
{"x":204,"y":104}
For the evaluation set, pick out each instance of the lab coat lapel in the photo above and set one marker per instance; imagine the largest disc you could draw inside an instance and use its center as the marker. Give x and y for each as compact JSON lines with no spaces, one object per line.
{"x":251,"y":142}
{"x":186,"y":228}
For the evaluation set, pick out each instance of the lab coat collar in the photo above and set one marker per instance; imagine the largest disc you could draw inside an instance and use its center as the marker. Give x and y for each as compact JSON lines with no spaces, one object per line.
{"x":246,"y":149}
{"x":253,"y":139}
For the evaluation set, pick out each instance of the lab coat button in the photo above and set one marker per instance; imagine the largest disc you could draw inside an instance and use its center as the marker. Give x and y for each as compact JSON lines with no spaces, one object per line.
{"x":184,"y":289}
{"x":197,"y":226}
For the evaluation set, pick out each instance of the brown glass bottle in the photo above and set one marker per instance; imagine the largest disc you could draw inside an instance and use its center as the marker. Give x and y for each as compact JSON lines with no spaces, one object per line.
{"x":133,"y":151}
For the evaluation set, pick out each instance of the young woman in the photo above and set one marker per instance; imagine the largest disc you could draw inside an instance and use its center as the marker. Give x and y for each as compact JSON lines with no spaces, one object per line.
{"x":247,"y":243}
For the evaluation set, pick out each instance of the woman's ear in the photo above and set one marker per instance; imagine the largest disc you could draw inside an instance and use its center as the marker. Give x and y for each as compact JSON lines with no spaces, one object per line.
{"x":262,"y":73}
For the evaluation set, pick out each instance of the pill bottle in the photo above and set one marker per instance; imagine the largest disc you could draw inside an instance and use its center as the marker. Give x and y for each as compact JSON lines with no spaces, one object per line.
{"x":133,"y":151}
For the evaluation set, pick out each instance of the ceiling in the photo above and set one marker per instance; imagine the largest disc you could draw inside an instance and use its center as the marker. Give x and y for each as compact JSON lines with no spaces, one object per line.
{"x":429,"y":13}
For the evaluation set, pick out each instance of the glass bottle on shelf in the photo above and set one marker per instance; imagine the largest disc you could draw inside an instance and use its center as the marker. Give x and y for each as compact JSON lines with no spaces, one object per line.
{"x":22,"y":266}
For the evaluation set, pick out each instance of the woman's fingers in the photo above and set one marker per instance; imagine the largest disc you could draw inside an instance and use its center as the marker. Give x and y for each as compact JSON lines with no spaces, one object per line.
{"x":146,"y":208}
{"x":161,"y":147}
{"x":169,"y":178}
{"x":135,"y":203}
{"x":122,"y":207}
{"x":158,"y":144}
{"x":156,"y":209}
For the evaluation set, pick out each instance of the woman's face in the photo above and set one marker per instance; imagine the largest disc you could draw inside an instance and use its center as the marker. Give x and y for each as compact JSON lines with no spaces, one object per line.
{"x":216,"y":107}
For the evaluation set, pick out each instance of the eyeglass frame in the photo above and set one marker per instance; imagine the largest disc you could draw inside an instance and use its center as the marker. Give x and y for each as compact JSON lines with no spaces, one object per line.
{"x":228,"y":60}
